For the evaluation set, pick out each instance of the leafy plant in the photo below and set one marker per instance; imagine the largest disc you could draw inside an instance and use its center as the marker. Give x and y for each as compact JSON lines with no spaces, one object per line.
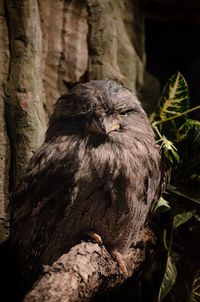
{"x":195,"y":294}
{"x":169,"y":278}
{"x":174,"y":131}
{"x":170,"y":121}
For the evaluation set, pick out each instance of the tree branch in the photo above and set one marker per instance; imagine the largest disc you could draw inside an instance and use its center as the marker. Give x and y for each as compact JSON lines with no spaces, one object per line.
{"x":86,"y":269}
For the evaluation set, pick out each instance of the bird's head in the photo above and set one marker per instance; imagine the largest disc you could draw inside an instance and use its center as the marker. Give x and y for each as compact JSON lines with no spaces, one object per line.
{"x":96,"y":108}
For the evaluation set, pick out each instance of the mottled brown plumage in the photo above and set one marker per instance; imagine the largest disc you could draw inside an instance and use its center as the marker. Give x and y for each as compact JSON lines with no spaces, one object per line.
{"x":98,"y":170}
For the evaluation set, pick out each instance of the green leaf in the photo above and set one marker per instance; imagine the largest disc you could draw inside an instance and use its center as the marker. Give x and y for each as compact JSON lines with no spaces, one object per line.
{"x":195,"y":124}
{"x":168,"y":279}
{"x":173,"y":106}
{"x":171,"y":115}
{"x":186,"y":127}
{"x":182,"y":218}
{"x":195,"y":293}
{"x":174,"y":98}
{"x":174,"y":190}
{"x":152,"y":117}
{"x":197,"y":217}
{"x":175,"y":155}
{"x":162,"y":206}
{"x":169,"y":150}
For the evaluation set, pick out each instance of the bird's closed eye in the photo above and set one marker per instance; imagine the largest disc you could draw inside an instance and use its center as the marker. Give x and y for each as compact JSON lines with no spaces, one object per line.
{"x":127,"y":111}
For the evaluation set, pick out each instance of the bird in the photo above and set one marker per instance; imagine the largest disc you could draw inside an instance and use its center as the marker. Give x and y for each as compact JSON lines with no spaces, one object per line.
{"x":98,"y":172}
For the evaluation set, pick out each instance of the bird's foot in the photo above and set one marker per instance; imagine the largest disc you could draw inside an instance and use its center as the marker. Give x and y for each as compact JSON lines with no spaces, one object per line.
{"x":115,"y":254}
{"x":118,"y":257}
{"x":94,"y":236}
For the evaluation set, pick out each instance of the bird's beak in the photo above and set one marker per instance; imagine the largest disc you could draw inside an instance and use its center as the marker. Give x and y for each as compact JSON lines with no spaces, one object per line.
{"x":103,"y":126}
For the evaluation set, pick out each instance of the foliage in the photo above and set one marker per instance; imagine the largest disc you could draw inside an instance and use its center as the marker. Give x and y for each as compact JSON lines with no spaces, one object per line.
{"x":169,"y":278}
{"x":171,"y":116}
{"x":179,"y":137}
{"x":162,"y":206}
{"x":195,"y":294}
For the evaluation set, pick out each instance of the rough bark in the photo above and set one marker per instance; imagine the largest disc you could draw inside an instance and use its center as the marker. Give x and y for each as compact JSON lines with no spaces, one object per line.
{"x":24,"y":88}
{"x":65,"y":50}
{"x":4,"y":141}
{"x":88,"y":269}
{"x":116,"y":47}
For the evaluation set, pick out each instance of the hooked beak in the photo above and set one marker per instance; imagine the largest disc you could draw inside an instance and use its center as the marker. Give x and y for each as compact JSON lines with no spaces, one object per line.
{"x":104,"y":126}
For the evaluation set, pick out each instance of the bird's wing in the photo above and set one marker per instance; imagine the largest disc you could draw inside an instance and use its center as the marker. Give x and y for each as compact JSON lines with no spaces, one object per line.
{"x":39,"y":201}
{"x":39,"y":206}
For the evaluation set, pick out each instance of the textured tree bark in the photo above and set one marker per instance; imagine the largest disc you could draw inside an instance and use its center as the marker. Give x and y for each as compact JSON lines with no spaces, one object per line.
{"x":4,"y":141}
{"x":88,"y":269}
{"x":116,"y":47}
{"x":24,"y":88}
{"x":64,"y":27}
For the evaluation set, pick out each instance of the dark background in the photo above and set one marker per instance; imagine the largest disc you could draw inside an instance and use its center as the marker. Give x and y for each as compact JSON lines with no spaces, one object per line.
{"x":175,"y":46}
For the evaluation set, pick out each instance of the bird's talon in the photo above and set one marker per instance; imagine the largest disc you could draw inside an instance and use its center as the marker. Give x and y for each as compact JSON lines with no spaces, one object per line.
{"x":117,"y":256}
{"x":95,"y":236}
